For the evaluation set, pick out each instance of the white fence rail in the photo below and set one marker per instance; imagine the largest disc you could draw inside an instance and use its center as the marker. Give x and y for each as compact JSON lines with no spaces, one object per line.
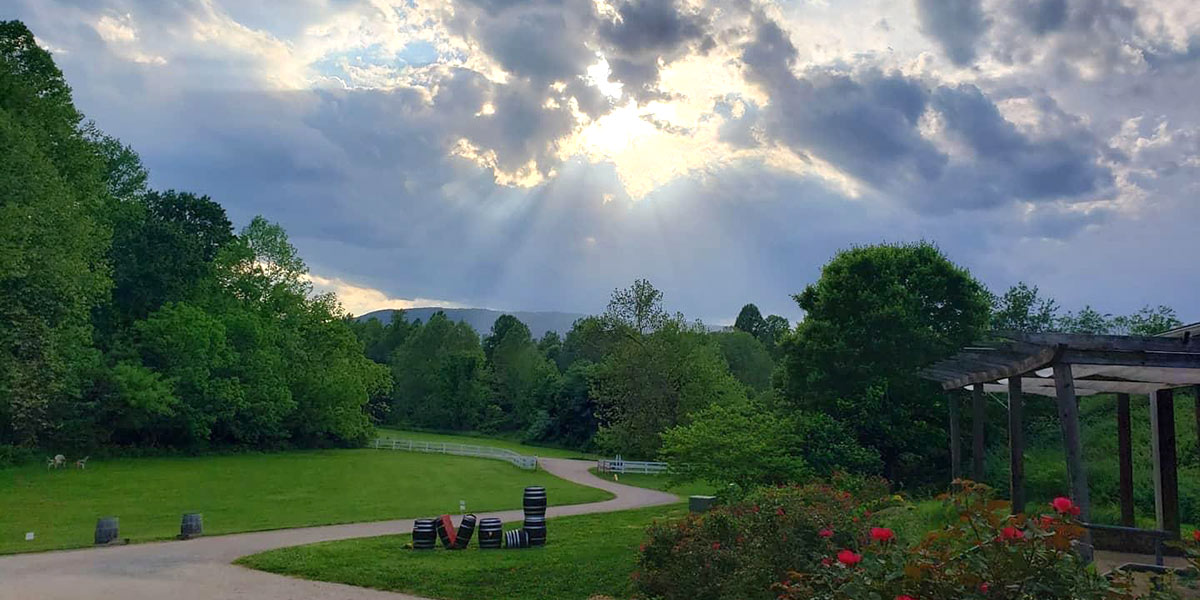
{"x":619,"y":465}
{"x":520,"y":460}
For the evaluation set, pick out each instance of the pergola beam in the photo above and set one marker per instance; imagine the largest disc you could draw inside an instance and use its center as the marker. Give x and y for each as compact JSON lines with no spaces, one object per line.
{"x":1169,"y":360}
{"x":988,"y":373}
{"x":1113,"y":343}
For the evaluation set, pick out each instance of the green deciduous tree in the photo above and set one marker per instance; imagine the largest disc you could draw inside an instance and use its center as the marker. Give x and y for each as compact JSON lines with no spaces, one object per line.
{"x":440,"y":376}
{"x":878,"y":315}
{"x":1022,"y":308}
{"x":749,"y":361}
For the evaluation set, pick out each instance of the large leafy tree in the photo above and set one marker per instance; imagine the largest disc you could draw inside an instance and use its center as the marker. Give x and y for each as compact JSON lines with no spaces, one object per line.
{"x":440,"y":376}
{"x":751,"y":321}
{"x":657,"y":373}
{"x":52,"y":240}
{"x":749,"y":361}
{"x":523,"y":380}
{"x":877,"y":315}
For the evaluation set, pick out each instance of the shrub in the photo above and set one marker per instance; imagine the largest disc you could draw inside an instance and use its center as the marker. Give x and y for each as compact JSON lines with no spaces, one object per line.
{"x":737,"y":551}
{"x":986,"y":553}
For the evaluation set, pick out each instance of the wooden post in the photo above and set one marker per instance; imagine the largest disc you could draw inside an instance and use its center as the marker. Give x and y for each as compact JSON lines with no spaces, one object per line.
{"x":1166,"y":477}
{"x":1068,"y":414}
{"x":1016,"y":446}
{"x":1196,"y":390}
{"x":1125,"y":456}
{"x":978,"y":416}
{"x":955,"y":438}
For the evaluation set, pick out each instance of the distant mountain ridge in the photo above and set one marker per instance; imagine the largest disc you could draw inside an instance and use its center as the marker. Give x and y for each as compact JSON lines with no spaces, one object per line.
{"x":481,"y":319}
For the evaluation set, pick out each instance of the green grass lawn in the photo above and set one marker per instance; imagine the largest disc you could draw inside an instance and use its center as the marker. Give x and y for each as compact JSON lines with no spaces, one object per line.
{"x":250,"y":492}
{"x":585,"y":555}
{"x":480,"y":440}
{"x":661,"y":483}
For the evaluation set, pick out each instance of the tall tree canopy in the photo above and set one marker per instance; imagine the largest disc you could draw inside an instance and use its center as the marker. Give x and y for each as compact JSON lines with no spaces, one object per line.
{"x":874,"y":318}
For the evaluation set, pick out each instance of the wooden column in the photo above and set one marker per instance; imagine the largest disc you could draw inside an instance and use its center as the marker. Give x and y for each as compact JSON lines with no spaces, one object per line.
{"x":978,"y":417}
{"x":1125,"y":456}
{"x":955,"y":437}
{"x":1068,"y":415}
{"x":1166,"y":478}
{"x":1016,"y":446}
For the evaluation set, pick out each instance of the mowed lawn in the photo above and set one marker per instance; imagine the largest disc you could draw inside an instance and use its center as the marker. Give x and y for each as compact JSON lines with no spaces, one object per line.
{"x":251,"y":492}
{"x":584,"y":556}
{"x":476,"y":440}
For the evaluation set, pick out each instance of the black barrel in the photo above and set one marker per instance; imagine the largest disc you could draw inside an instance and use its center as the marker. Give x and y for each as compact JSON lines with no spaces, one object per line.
{"x":516,"y":538}
{"x":445,"y":531}
{"x":108,"y":529}
{"x":424,"y":534}
{"x":191,"y":526}
{"x":535,"y":501}
{"x":490,"y":533}
{"x":536,"y":528}
{"x":466,"y":527}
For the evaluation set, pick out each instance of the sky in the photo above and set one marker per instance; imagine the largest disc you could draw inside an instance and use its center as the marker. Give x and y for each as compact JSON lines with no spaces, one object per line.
{"x":537,"y":154}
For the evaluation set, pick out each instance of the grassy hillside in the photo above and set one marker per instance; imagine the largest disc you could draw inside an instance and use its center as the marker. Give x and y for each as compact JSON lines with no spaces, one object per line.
{"x":254,"y":492}
{"x":1045,"y":464}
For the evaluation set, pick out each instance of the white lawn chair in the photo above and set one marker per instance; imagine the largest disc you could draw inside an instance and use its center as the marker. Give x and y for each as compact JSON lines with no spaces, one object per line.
{"x":82,"y":463}
{"x":57,"y":462}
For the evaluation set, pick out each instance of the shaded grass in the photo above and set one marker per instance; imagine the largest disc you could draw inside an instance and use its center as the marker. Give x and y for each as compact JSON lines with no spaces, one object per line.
{"x":585,"y":555}
{"x":661,"y":483}
{"x":250,"y":492}
{"x":482,"y":440}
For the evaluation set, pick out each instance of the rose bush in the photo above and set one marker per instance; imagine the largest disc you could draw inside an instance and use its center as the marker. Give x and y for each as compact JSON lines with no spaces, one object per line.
{"x":738,"y":551}
{"x":985,"y":554}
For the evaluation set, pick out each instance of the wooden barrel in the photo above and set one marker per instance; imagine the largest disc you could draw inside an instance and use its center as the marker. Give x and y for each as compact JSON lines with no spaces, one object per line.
{"x":445,"y":531}
{"x":108,"y":529}
{"x":536,"y":528}
{"x":424,"y":534}
{"x":516,"y":538}
{"x":535,"y":501}
{"x":465,"y":529}
{"x":191,"y":526}
{"x":490,"y":533}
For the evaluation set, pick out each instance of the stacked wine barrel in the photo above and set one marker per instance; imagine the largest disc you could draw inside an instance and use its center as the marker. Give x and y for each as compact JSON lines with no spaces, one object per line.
{"x":535,"y":514}
{"x":465,"y":529}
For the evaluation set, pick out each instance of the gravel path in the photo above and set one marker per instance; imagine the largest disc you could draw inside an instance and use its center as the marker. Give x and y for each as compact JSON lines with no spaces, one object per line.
{"x":201,"y":569}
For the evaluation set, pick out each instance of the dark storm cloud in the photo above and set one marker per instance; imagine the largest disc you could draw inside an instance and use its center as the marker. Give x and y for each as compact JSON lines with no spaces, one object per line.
{"x":645,"y":32}
{"x":866,"y":123}
{"x":956,"y":25}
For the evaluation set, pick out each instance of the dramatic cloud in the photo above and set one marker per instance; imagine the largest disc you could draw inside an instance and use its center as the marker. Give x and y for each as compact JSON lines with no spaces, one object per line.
{"x":535,"y":154}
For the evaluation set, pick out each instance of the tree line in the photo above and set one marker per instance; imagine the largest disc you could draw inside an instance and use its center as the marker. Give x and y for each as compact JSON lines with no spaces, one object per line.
{"x":138,"y":317}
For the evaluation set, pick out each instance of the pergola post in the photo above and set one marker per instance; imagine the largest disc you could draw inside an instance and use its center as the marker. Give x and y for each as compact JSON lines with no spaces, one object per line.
{"x":1016,"y":446}
{"x":955,"y":437}
{"x":1196,"y":390}
{"x":978,"y":416}
{"x":1166,"y":477}
{"x":1125,"y":456}
{"x":1068,"y":414}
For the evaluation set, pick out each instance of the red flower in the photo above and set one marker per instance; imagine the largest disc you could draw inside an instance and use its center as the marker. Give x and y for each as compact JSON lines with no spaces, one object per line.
{"x":1063,"y":505}
{"x":716,"y":545}
{"x":867,"y":514}
{"x":642,"y":548}
{"x":1196,"y":535}
{"x":1046,"y":521}
{"x":825,"y":562}
{"x":905,"y":597}
{"x":1011,"y":534}
{"x":779,"y":511}
{"x":983,"y":588}
{"x":828,"y":533}
{"x":882,"y":534}
{"x":755,"y":509}
{"x":849,"y":558}
{"x":1075,"y":510}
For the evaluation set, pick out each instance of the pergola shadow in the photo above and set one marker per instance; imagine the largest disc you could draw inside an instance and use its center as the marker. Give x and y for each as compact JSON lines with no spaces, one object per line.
{"x":1066,"y":367}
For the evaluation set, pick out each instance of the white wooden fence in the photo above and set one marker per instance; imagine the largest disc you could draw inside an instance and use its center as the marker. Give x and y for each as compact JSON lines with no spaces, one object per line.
{"x":619,"y":465}
{"x":520,"y":460}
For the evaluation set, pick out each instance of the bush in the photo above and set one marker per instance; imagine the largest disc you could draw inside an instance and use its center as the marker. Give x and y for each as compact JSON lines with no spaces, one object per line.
{"x":985,"y":553}
{"x":738,"y":551}
{"x":746,"y":444}
{"x":11,"y":456}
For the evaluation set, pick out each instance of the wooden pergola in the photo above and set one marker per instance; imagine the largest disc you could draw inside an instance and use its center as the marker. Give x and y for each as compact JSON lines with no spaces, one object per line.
{"x":1066,"y":367}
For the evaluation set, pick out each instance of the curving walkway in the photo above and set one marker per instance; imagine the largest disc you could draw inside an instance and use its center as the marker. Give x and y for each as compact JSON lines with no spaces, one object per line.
{"x":201,"y":569}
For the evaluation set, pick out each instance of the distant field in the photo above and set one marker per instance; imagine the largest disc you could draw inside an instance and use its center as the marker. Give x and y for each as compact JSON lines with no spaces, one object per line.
{"x":585,"y":555}
{"x":661,"y":483}
{"x":479,"y":440}
{"x":254,"y":492}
